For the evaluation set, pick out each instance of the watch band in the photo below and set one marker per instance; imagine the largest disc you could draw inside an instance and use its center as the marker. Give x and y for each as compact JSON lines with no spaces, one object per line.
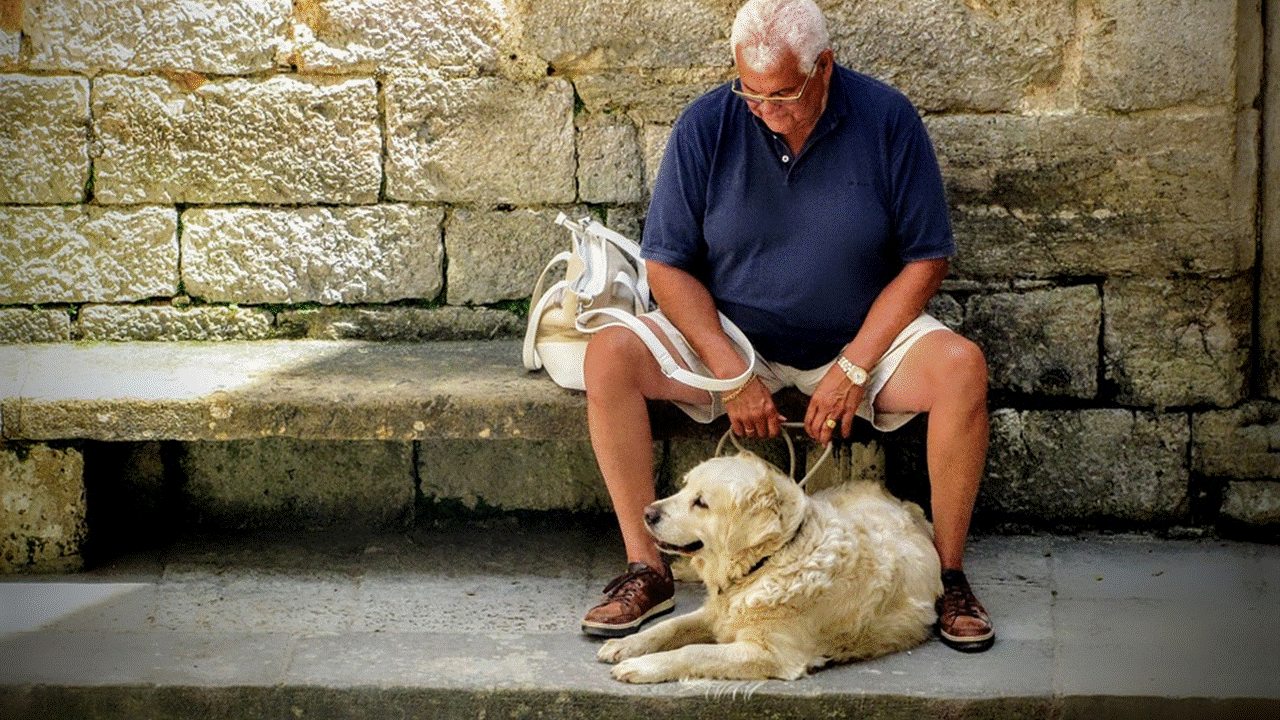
{"x":856,"y":375}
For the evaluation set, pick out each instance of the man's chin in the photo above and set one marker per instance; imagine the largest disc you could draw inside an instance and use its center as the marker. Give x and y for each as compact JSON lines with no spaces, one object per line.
{"x":780,"y":128}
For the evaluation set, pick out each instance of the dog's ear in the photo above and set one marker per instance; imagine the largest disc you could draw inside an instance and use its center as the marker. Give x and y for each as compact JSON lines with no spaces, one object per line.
{"x":768,"y":504}
{"x":790,"y":501}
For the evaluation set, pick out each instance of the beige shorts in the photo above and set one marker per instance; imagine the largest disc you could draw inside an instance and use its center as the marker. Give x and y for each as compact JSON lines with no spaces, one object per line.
{"x":777,"y":376}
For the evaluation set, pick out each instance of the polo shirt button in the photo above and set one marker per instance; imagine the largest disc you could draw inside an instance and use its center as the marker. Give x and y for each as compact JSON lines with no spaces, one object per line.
{"x":786,"y":158}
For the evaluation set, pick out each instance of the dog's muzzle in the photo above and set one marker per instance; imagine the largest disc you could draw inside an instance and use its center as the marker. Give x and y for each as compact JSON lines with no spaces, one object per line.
{"x":652,"y":516}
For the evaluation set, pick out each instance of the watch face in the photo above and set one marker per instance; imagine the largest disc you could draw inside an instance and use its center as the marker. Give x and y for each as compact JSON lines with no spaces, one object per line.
{"x":856,"y":375}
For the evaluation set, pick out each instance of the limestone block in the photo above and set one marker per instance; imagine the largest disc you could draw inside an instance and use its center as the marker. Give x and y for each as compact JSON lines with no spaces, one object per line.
{"x":42,"y":508}
{"x":1189,"y":46}
{"x":609,"y":165}
{"x":685,"y":453}
{"x":360,"y":36}
{"x":504,"y":475}
{"x":575,"y":37}
{"x":287,"y":483}
{"x":1241,"y":443}
{"x":10,"y":47}
{"x":224,"y":37}
{"x":849,"y":462}
{"x":654,"y":96}
{"x":128,"y":322}
{"x":947,"y":55}
{"x":947,"y":309}
{"x":1043,"y":342}
{"x":1081,"y":466}
{"x":653,"y":145}
{"x":1253,"y":503}
{"x":284,"y":139}
{"x":1178,"y":342}
{"x":87,"y":254}
{"x":401,"y":324}
{"x":626,"y":219}
{"x":21,"y":326}
{"x":44,"y":139}
{"x":497,"y":255}
{"x":378,"y":253}
{"x":1050,"y":196}
{"x":483,"y":140}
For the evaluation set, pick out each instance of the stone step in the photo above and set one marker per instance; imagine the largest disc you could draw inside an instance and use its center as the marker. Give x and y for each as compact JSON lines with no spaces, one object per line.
{"x":97,"y":437}
{"x":482,"y":621}
{"x":101,"y":439}
{"x":306,"y":389}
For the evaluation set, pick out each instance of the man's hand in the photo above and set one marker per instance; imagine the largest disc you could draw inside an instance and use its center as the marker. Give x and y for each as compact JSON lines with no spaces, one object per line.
{"x":836,"y":400}
{"x":752,"y":412}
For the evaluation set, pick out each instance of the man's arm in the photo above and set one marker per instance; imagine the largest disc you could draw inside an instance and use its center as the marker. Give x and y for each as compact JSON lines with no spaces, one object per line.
{"x":901,"y":301}
{"x":895,"y":307}
{"x":689,"y":306}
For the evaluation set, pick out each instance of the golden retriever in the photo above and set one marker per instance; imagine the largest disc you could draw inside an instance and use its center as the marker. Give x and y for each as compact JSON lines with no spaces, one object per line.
{"x":793,"y":582}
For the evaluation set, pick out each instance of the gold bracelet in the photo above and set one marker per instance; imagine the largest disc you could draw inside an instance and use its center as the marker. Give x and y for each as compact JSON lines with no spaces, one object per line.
{"x":736,"y":391}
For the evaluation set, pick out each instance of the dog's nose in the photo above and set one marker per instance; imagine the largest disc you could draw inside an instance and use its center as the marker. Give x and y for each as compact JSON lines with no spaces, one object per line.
{"x":652,"y":514}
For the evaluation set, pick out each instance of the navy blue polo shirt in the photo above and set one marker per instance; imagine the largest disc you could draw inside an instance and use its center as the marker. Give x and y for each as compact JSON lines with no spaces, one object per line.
{"x":795,"y":249}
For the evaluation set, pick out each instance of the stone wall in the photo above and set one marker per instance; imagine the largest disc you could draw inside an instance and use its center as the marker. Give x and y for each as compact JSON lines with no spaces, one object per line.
{"x":389,"y":169}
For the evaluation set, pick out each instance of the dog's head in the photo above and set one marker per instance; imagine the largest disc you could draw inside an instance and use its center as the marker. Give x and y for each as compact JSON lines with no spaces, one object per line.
{"x":731,"y":510}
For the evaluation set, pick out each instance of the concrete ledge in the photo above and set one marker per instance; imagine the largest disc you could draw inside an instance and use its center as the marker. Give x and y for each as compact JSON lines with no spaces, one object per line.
{"x":306,"y":389}
{"x":460,"y":425}
{"x":482,"y":621}
{"x":297,"y":433}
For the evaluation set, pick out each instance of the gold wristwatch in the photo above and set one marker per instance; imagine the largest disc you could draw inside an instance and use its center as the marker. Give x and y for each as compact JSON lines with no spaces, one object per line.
{"x":856,"y":375}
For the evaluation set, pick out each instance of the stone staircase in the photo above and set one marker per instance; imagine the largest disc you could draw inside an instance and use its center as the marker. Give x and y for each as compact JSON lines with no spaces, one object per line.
{"x":303,"y":529}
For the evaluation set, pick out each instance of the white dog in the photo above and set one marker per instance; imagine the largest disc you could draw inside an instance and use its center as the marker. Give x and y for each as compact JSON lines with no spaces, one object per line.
{"x":793,"y":582}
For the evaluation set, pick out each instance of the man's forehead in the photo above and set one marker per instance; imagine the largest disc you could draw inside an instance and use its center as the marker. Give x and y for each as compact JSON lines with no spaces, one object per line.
{"x":788,"y":63}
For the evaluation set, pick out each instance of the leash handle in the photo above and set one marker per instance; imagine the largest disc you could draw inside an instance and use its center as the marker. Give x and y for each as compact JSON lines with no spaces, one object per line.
{"x":791,"y":450}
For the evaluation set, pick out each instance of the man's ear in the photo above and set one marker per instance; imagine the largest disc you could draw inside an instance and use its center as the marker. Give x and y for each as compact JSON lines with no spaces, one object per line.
{"x":827,"y":63}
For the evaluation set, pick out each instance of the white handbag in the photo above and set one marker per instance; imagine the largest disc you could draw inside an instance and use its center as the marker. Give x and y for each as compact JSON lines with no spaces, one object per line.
{"x":605,"y":285}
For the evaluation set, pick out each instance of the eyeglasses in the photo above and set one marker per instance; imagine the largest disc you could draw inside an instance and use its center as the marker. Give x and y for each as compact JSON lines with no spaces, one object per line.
{"x":754,"y":100}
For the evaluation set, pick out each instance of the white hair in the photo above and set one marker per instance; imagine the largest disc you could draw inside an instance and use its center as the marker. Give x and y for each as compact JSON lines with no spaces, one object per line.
{"x":765,"y":31}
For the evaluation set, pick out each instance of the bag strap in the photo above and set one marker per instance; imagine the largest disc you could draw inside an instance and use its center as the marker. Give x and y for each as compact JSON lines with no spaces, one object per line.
{"x":529,"y":353}
{"x":669,"y":366}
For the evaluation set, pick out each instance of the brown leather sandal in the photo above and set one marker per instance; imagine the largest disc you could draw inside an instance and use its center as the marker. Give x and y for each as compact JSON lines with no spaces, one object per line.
{"x":963,"y":624}
{"x":629,"y":600}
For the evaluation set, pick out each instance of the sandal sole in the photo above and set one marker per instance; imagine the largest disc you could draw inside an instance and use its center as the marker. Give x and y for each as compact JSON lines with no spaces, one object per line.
{"x":977,"y":644}
{"x":622,"y":630}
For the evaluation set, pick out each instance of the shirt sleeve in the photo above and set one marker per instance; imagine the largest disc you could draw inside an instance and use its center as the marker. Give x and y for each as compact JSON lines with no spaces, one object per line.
{"x":673,"y":226}
{"x":918,"y":200}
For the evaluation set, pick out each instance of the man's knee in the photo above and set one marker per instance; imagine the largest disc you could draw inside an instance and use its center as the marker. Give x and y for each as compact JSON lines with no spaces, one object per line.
{"x":962,"y":362}
{"x":611,"y":356}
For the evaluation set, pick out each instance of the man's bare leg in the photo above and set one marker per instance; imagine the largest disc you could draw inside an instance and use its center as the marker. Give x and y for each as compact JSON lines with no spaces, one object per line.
{"x":621,"y":374}
{"x":945,"y":375}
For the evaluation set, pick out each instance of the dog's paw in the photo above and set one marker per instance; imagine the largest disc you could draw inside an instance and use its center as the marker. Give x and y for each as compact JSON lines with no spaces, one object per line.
{"x":644,"y":669}
{"x":619,"y":649}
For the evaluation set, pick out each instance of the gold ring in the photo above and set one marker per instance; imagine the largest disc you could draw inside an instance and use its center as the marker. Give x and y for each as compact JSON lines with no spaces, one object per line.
{"x":831,"y":423}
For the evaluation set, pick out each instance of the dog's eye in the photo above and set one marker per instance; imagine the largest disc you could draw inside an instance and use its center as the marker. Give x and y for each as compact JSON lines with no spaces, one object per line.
{"x":698,"y":502}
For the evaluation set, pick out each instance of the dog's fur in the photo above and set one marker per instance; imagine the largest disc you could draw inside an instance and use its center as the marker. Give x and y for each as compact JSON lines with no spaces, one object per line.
{"x":793,"y":582}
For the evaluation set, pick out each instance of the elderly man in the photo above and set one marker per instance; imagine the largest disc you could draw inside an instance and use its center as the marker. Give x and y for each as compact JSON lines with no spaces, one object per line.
{"x":803,"y":200}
